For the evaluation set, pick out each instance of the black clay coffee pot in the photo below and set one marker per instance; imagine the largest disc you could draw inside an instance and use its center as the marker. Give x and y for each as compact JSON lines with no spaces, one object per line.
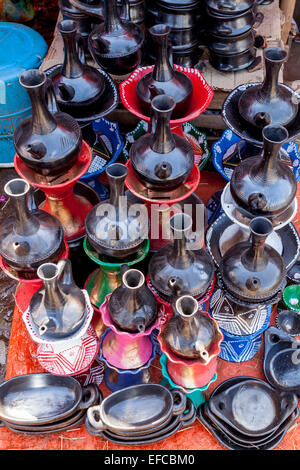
{"x":164,"y":79}
{"x":253,"y":271}
{"x":264,"y":185}
{"x":117,"y":227}
{"x":78,"y":87}
{"x":178,"y":268}
{"x":58,"y":309}
{"x":29,"y":236}
{"x":132,"y":306}
{"x":269,"y":102}
{"x":162,"y":159}
{"x":49,"y":143}
{"x":116,"y":44}
{"x":189,"y":332}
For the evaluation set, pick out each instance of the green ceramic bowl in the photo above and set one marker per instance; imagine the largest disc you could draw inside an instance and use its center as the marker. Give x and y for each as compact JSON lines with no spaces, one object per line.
{"x":291,"y":297}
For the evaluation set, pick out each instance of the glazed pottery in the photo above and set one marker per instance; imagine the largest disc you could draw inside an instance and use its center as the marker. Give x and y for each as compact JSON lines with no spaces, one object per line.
{"x":289,"y":322}
{"x":291,"y":297}
{"x":269,"y":102}
{"x":178,"y":266}
{"x":132,"y":306}
{"x":264,"y":185}
{"x":253,"y":408}
{"x":117,"y":380}
{"x":162,"y":160}
{"x":107,"y":277}
{"x":126,"y":351}
{"x":44,"y":397}
{"x":29,"y":236}
{"x":59,"y":308}
{"x":116,"y":44}
{"x":281,"y":360}
{"x":194,"y":394}
{"x":190,"y":333}
{"x":78,"y":87}
{"x":236,"y":319}
{"x":48,"y":143}
{"x":116,"y":227}
{"x":164,"y":79}
{"x":133,"y":10}
{"x":242,"y":348}
{"x":140,"y":407}
{"x":253,"y":271}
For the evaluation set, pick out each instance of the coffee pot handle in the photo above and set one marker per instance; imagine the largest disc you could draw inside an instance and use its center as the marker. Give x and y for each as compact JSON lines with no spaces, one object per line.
{"x":65,"y":272}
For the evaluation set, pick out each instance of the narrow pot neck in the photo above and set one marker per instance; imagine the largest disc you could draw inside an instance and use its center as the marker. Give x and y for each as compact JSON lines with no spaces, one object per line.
{"x":181,"y":257}
{"x":43,"y":121}
{"x":163,"y":140}
{"x":72,"y":65}
{"x":116,"y":186}
{"x":269,"y":90}
{"x":112,"y":17}
{"x":54,"y":299}
{"x":163,"y":70}
{"x":255,"y":259}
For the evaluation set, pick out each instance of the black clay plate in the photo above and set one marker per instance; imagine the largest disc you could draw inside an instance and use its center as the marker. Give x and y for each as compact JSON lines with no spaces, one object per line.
{"x":227,"y":442}
{"x":34,"y":432}
{"x":281,"y":372}
{"x":253,"y":408}
{"x":289,"y":236}
{"x":43,"y":398}
{"x":246,"y":440}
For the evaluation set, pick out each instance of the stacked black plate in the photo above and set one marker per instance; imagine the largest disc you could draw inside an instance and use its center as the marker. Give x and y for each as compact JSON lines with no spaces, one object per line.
{"x":140,"y":415}
{"x":184,"y":19}
{"x":230,"y":35}
{"x":44,"y":403}
{"x":246,"y":413}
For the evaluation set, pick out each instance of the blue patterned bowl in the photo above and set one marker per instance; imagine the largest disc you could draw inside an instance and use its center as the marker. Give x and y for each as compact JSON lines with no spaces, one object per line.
{"x":106,"y":149}
{"x":227,"y":144}
{"x":242,"y":348}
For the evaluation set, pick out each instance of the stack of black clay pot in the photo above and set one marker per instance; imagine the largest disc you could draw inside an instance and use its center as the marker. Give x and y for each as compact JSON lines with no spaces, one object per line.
{"x":183,"y":17}
{"x":229,"y":33}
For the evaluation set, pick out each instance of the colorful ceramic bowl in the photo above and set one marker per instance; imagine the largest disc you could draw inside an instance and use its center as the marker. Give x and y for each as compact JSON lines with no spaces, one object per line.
{"x":224,"y":162}
{"x":194,"y":394}
{"x":71,"y":357}
{"x":106,"y":149}
{"x":236,"y":319}
{"x":291,"y":297}
{"x":242,"y":348}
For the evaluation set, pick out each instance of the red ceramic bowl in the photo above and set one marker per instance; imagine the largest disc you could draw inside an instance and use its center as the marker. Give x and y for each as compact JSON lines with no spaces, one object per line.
{"x":201,"y":97}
